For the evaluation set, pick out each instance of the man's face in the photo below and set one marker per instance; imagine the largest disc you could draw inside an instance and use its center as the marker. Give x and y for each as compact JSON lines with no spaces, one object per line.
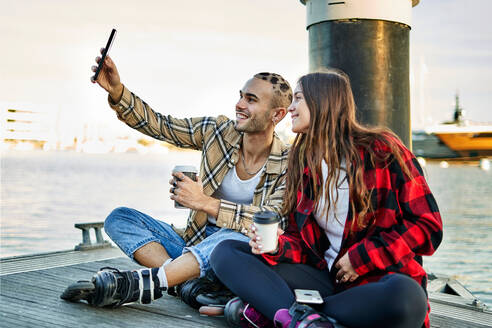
{"x":253,"y":110}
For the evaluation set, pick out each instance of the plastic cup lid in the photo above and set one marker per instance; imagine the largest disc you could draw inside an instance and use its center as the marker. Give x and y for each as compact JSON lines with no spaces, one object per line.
{"x":266,"y":217}
{"x":185,"y":168}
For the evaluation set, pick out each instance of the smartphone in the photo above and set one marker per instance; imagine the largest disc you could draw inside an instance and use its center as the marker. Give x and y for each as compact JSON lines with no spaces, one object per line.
{"x":308,"y":296}
{"x":105,"y":52}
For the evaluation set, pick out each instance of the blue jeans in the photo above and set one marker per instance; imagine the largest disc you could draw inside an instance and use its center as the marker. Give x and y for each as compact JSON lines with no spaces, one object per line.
{"x":131,"y":229}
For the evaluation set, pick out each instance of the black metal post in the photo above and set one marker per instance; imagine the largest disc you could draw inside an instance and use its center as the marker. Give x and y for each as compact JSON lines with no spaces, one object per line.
{"x":370,"y":44}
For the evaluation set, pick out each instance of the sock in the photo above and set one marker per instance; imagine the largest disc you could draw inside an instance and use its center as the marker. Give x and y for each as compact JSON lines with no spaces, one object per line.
{"x":161,"y":274}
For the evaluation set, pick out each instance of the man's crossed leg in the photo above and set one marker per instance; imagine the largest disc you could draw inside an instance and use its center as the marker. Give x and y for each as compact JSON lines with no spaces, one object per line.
{"x":156,"y":245}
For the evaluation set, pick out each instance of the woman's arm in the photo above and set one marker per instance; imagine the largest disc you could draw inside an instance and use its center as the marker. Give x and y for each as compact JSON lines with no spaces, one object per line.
{"x":416,"y":227}
{"x":290,"y":247}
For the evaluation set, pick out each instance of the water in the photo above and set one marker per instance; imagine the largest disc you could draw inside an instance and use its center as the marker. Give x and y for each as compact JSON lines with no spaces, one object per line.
{"x":43,"y":194}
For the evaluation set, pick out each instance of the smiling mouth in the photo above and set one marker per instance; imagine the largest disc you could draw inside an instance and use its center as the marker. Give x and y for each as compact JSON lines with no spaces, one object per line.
{"x":241,"y":116}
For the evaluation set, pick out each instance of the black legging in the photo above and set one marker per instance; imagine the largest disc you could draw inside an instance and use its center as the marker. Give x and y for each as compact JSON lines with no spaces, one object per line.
{"x":395,"y":301}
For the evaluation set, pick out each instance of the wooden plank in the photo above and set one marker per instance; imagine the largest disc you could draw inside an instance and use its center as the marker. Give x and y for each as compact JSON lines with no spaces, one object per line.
{"x":458,"y":301}
{"x":449,"y":316}
{"x":16,"y":319}
{"x":460,"y":289}
{"x":53,"y":310}
{"x":55,"y":259}
{"x":437,"y":285}
{"x":122,"y":317}
{"x":34,"y":313}
{"x":36,"y":294}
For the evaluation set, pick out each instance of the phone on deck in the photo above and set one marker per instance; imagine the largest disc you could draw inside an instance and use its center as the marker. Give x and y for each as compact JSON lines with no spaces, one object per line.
{"x":308,"y":296}
{"x":105,"y":52}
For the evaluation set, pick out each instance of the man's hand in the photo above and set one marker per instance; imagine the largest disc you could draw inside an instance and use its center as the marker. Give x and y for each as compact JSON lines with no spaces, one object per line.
{"x":255,"y":241}
{"x":108,"y":78}
{"x":187,"y":192}
{"x":346,"y":272}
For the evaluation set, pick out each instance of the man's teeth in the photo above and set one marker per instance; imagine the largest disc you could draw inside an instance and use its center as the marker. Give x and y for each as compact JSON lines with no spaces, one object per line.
{"x":239,"y":115}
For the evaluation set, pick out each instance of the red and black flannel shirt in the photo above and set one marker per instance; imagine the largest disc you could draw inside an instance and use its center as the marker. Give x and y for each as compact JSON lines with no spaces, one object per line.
{"x":406,"y":225}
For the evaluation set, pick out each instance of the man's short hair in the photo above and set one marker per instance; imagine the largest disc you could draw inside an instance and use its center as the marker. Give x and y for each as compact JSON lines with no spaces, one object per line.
{"x":282,"y":92}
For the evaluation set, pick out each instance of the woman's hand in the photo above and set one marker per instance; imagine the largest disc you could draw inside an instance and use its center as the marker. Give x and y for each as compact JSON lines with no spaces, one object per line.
{"x":255,"y":242}
{"x":346,"y":272}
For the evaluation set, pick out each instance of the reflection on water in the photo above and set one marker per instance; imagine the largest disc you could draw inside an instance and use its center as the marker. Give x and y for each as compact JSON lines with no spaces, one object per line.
{"x":44,"y":194}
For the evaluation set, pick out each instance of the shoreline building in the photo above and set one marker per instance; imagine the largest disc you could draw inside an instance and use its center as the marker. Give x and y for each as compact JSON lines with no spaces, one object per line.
{"x":22,"y":127}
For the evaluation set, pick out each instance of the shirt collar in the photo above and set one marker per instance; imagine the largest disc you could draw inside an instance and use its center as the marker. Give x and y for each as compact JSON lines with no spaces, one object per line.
{"x":276,"y":157}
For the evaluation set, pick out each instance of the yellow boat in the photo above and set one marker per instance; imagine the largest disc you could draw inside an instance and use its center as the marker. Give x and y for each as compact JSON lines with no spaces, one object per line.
{"x":466,"y":138}
{"x":467,"y":141}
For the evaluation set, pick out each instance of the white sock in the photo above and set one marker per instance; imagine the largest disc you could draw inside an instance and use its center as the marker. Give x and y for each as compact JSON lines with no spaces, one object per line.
{"x":161,"y":274}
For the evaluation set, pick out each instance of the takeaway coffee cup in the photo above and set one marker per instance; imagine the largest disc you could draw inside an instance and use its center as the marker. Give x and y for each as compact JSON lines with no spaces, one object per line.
{"x":266,"y":223}
{"x":190,"y":171}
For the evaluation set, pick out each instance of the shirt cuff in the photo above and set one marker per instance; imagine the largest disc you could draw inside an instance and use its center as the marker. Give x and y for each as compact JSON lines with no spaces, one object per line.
{"x":360,"y":260}
{"x":124,"y":102}
{"x":274,"y":258}
{"x":230,"y":217}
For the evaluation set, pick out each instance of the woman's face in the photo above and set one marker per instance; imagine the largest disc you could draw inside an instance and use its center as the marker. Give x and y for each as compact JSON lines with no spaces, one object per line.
{"x":299,"y":112}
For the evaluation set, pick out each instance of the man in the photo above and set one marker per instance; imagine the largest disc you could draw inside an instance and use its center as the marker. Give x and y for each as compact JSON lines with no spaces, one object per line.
{"x":242,"y":171}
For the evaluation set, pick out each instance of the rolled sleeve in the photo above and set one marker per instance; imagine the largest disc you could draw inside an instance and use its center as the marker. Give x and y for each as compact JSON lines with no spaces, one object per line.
{"x":233,"y":216}
{"x":183,"y":133}
{"x":239,"y":217}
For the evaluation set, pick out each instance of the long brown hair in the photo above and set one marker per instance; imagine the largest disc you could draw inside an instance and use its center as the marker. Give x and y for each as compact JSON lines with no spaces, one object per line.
{"x":334,"y":135}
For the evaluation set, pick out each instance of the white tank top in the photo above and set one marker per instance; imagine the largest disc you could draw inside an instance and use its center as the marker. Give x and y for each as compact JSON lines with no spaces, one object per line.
{"x":332,"y":226}
{"x":236,"y":190}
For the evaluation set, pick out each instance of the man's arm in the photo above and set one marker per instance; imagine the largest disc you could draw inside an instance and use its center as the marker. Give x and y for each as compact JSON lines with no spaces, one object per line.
{"x":230,"y":215}
{"x":184,"y":133}
{"x":239,"y":217}
{"x":190,"y":194}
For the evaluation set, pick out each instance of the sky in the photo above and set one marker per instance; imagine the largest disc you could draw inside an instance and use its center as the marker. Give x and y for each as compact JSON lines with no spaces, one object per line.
{"x":191,"y":58}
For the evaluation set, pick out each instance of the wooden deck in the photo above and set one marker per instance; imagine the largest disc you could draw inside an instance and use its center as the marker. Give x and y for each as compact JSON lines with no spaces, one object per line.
{"x":30,"y":287}
{"x":32,"y":298}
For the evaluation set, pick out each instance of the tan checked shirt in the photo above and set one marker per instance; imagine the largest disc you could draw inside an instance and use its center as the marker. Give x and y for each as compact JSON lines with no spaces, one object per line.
{"x":219,"y":142}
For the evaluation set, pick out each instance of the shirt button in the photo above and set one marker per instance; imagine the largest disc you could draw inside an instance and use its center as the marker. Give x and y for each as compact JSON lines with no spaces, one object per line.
{"x":225,"y":224}
{"x":305,"y":211}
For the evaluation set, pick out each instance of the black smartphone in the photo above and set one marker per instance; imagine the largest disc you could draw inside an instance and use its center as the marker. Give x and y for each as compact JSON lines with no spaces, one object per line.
{"x":105,"y":52}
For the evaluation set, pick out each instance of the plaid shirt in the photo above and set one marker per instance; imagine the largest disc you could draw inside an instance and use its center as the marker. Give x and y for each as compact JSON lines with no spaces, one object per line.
{"x":219,"y":142}
{"x":406,"y":225}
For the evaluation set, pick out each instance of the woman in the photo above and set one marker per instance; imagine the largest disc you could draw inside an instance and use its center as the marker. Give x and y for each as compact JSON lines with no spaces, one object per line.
{"x":361,"y":216}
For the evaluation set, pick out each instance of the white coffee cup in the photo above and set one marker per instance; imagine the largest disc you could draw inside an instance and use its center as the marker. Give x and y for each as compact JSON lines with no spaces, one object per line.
{"x":266,"y":223}
{"x":190,"y":171}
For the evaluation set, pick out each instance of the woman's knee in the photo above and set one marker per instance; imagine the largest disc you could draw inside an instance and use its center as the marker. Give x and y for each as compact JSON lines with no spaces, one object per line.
{"x":227,"y":252}
{"x":408,"y":301}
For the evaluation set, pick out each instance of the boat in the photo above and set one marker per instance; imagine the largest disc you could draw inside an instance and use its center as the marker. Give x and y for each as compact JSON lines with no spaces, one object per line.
{"x":458,"y":138}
